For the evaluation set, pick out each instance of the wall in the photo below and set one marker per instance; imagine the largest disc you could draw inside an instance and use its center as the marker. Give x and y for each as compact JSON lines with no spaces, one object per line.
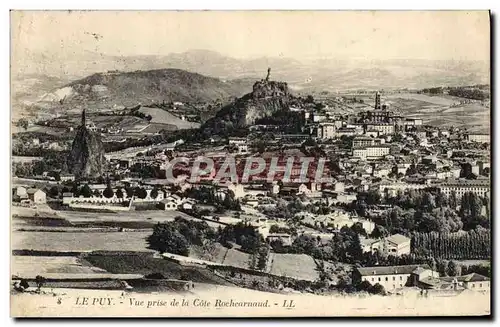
{"x":393,"y":281}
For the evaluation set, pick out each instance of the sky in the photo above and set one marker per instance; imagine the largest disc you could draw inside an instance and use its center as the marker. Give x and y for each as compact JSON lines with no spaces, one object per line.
{"x":302,"y":35}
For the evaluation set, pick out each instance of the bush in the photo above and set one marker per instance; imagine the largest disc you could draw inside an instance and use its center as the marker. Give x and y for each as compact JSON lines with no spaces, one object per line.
{"x":378,"y":289}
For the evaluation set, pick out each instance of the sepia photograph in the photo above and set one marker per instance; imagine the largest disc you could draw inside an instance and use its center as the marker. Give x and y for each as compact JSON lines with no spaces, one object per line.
{"x":250,"y":164}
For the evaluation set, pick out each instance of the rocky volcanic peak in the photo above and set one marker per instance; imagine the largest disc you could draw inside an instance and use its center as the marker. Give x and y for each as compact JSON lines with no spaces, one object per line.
{"x":265,"y":89}
{"x":266,"y":98}
{"x":86,"y":158}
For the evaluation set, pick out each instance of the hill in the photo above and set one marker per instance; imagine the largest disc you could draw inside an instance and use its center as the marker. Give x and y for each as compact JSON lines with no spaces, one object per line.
{"x":266,"y":98}
{"x":118,"y":89}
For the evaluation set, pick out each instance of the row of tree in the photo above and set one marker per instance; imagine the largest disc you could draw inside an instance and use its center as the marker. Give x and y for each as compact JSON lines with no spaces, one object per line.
{"x":473,"y":244}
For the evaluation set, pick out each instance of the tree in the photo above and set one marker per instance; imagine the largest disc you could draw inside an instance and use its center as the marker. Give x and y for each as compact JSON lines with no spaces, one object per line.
{"x":75,"y":190}
{"x":54,"y":192}
{"x":119,"y":193}
{"x":23,"y":123}
{"x":129,"y":191}
{"x":86,"y":191}
{"x":108,"y":192}
{"x":154,"y":193}
{"x":166,"y":238}
{"x":140,"y":192}
{"x":453,"y":269}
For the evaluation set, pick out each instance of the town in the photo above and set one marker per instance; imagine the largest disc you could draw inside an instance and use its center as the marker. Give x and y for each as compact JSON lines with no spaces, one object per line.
{"x":402,"y":205}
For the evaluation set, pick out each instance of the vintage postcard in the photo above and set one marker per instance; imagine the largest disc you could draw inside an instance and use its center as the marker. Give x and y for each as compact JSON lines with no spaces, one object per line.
{"x":250,"y":164}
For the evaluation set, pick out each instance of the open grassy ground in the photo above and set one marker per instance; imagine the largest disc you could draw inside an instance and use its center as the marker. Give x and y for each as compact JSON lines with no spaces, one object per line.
{"x":300,"y":266}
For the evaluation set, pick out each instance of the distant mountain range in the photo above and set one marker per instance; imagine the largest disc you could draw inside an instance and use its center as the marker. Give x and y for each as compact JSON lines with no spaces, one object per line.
{"x":92,"y":79}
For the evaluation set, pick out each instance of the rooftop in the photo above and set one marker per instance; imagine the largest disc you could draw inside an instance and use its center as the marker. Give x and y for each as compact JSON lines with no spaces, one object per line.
{"x":390,"y":270}
{"x":398,"y":239}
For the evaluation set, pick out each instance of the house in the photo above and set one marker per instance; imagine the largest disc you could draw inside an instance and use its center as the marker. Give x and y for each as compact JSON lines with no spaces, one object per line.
{"x":286,"y":239}
{"x":397,"y":245}
{"x":473,"y":281}
{"x":36,"y":195}
{"x":188,"y":204}
{"x":174,"y":198}
{"x":20,"y":193}
{"x":393,"y":277}
{"x":369,"y":244}
{"x":168,"y":204}
{"x":67,"y":197}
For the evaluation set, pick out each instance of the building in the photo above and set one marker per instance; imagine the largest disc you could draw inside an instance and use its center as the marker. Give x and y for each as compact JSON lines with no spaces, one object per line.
{"x":377,"y":116}
{"x":480,"y":138}
{"x":237,"y":140}
{"x":20,"y":193}
{"x":393,"y":277}
{"x":412,"y":122}
{"x":473,"y":282}
{"x":168,"y":204}
{"x":286,"y":239}
{"x":359,"y":153}
{"x":377,"y":151}
{"x":369,"y":244}
{"x":317,"y":117}
{"x":480,"y":187}
{"x":67,"y":177}
{"x":397,"y":245}
{"x":36,"y":196}
{"x":67,"y":198}
{"x":242,"y":148}
{"x":362,"y":141}
{"x":381,"y":128}
{"x":326,"y":131}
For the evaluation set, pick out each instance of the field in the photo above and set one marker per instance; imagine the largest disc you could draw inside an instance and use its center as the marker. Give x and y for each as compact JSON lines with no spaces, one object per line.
{"x":26,"y":266}
{"x":80,"y":242}
{"x":164,"y":117}
{"x":223,"y":255}
{"x":299,"y":266}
